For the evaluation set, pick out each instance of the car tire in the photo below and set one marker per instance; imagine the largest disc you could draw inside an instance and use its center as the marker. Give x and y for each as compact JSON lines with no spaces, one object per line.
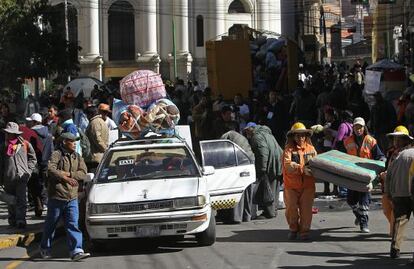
{"x":208,"y":237}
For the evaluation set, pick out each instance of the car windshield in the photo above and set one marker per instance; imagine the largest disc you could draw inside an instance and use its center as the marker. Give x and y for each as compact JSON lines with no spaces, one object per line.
{"x":148,"y":163}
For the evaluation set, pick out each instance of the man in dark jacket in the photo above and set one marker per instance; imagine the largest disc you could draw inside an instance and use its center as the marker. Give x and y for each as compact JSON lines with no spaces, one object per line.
{"x":383,"y":120}
{"x":268,"y":164}
{"x":37,"y":181}
{"x":277,"y":117}
{"x":66,"y":170}
{"x":17,"y":162}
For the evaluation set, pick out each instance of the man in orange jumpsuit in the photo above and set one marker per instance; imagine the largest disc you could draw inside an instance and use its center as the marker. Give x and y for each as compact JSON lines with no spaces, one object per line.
{"x":299,"y":183}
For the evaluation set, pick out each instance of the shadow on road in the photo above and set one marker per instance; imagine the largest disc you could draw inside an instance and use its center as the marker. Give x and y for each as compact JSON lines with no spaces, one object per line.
{"x":321,"y":235}
{"x":368,"y":260}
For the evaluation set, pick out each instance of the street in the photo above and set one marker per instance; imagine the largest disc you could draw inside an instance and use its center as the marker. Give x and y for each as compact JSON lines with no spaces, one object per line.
{"x":336,"y":242}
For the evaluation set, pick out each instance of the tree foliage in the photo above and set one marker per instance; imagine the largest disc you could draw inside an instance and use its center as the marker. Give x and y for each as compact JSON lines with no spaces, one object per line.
{"x":32,"y":43}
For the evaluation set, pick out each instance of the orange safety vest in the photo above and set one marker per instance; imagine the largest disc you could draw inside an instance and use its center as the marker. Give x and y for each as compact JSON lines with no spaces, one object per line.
{"x":294,"y":160}
{"x":365,"y":151}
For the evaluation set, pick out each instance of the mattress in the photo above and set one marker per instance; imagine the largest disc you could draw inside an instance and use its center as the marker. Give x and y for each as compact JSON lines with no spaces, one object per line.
{"x":341,"y":181}
{"x":347,"y":166}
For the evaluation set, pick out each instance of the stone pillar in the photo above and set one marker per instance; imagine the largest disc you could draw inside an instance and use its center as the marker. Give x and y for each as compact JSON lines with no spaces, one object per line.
{"x":91,"y":62}
{"x":165,"y":35}
{"x":149,"y":58}
{"x":184,"y":58}
{"x":217,"y":23}
{"x":263,"y":14}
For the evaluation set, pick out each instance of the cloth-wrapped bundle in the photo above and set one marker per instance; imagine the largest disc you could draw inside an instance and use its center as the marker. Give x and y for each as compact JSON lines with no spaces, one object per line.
{"x":346,"y":170}
{"x":129,"y":119}
{"x":142,"y":88}
{"x":163,"y":114}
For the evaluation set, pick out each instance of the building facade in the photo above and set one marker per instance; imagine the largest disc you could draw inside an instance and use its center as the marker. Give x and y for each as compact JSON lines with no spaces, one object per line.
{"x":119,"y":36}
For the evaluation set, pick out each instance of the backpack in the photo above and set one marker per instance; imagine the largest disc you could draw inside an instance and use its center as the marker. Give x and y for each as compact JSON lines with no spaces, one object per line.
{"x":85,"y":144}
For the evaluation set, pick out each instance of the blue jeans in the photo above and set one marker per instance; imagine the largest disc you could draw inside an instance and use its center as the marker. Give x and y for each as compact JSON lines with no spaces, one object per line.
{"x":69,"y":210}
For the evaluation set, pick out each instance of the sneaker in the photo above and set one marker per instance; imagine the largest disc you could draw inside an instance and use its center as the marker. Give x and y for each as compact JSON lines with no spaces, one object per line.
{"x":292,"y":235}
{"x":394,"y":253}
{"x":356,"y":222}
{"x":45,"y":254}
{"x":80,"y":256}
{"x":365,"y":230}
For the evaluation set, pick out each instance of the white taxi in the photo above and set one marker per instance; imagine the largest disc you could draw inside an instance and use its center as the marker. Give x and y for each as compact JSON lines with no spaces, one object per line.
{"x":155,"y":187}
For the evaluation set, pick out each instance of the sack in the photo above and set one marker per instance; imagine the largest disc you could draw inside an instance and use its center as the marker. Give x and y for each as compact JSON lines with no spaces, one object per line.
{"x":85,"y":144}
{"x":264,"y":193}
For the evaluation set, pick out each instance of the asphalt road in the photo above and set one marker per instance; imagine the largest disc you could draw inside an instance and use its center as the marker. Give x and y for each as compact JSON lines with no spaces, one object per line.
{"x":336,"y":242}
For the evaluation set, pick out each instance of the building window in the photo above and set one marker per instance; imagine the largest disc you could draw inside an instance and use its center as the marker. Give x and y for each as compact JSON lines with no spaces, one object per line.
{"x":121,"y":31}
{"x":237,"y":6}
{"x":200,"y":31}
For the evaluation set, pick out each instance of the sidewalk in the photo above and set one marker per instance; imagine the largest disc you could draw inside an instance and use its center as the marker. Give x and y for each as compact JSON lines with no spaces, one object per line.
{"x":11,"y":237}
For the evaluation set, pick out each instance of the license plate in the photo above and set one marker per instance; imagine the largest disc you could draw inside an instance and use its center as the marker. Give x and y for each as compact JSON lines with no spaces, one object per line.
{"x":148,"y":231}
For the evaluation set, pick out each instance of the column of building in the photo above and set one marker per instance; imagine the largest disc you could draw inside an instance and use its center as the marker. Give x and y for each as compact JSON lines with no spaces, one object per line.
{"x":149,"y":58}
{"x":91,"y":61}
{"x":263,"y":16}
{"x":182,"y":68}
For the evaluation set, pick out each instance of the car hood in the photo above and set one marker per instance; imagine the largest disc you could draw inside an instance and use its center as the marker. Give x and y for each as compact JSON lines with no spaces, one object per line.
{"x":133,"y":191}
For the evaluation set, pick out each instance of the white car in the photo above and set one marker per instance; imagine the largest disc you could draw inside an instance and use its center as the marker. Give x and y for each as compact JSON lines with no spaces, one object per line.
{"x":155,"y":188}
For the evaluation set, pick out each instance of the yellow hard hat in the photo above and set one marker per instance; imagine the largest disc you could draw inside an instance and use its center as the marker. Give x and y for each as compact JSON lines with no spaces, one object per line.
{"x":400,"y":131}
{"x":299,"y":127}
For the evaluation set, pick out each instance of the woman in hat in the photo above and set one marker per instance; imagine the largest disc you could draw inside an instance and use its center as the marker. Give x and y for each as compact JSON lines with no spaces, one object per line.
{"x":299,"y":183}
{"x":401,"y":140}
{"x":361,"y":144}
{"x":17,"y":162}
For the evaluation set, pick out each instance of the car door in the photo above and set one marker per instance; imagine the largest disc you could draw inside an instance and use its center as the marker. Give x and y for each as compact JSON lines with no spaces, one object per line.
{"x":234,"y":172}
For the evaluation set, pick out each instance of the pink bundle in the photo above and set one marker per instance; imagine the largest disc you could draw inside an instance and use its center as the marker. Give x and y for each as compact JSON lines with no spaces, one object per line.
{"x":142,"y":88}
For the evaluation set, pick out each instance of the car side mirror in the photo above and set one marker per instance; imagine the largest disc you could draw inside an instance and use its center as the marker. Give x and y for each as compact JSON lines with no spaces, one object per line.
{"x":89,"y":177}
{"x":208,"y":170}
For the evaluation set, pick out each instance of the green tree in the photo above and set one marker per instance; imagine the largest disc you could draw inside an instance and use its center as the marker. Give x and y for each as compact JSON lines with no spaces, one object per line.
{"x":32,"y":45}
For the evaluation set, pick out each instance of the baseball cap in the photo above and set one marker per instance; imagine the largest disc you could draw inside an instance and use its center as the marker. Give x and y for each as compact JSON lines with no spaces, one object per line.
{"x":359,"y":121}
{"x":69,"y":136}
{"x":35,"y":117}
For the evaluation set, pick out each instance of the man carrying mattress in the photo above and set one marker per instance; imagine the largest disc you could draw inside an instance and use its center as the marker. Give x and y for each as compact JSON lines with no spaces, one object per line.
{"x":398,"y":186}
{"x":400,"y":140}
{"x":361,"y":144}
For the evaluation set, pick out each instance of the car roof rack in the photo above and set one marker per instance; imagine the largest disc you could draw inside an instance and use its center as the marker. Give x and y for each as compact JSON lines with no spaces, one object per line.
{"x":149,"y":138}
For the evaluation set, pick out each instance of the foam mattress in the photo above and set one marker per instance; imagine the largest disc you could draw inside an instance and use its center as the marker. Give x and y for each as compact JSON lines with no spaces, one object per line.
{"x":341,"y":181}
{"x":347,"y":166}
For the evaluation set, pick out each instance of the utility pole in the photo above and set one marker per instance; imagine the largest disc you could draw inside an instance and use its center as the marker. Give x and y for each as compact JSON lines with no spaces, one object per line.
{"x":67,"y":30}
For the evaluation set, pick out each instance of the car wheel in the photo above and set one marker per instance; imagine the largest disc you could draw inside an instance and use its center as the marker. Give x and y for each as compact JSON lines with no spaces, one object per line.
{"x":208,"y":237}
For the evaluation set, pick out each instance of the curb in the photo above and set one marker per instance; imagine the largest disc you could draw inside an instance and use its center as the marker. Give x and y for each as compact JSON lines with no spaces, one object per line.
{"x":25,"y":239}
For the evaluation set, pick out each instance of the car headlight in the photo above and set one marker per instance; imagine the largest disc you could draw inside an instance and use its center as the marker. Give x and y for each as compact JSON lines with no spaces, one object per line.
{"x":198,"y":201}
{"x":98,"y":209}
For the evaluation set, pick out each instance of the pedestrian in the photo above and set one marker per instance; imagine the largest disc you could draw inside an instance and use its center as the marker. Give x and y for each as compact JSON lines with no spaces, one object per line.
{"x":361,"y":144}
{"x":38,"y":179}
{"x":383,"y":120}
{"x":241,"y":111}
{"x":17,"y":162}
{"x":401,"y":140}
{"x":68,"y":126}
{"x":299,"y":183}
{"x":52,"y":120}
{"x":277,"y":116}
{"x":105,"y":111}
{"x":243,"y":212}
{"x":267,"y":153}
{"x":98,"y":135}
{"x":79,"y":118}
{"x":398,"y":187}
{"x":225,"y":122}
{"x":66,"y":170}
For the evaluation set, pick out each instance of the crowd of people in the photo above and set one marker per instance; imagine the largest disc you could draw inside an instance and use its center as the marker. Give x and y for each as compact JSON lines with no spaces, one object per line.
{"x":50,"y":151}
